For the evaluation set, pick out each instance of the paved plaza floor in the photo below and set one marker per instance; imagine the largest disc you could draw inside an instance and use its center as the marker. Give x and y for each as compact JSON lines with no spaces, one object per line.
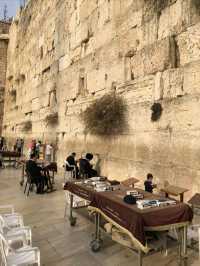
{"x":63,"y":245}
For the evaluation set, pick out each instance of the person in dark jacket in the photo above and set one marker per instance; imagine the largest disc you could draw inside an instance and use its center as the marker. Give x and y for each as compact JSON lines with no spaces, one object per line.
{"x":71,"y":164}
{"x":35,"y":172}
{"x":86,"y":167}
{"x":148,"y":184}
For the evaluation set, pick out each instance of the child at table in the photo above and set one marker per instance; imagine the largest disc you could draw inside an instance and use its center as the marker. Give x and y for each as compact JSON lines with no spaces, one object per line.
{"x":148,"y":184}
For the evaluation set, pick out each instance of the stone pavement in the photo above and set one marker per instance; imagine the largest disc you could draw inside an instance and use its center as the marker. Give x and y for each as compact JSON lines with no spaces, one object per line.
{"x":62,"y":245}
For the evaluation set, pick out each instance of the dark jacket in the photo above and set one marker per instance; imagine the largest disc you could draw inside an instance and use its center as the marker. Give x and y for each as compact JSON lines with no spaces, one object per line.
{"x":70,"y":159}
{"x":33,"y":169}
{"x":148,"y":186}
{"x":86,"y":168}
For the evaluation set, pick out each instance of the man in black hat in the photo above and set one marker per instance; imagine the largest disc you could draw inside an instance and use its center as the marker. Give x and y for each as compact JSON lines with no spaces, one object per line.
{"x":86,"y":167}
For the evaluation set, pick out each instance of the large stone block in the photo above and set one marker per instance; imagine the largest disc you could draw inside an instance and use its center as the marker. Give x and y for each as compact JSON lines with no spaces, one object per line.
{"x":169,"y":84}
{"x":192,"y":78}
{"x":64,"y":62}
{"x":154,"y":58}
{"x":172,"y":20}
{"x":188,"y":45}
{"x":138,"y":90}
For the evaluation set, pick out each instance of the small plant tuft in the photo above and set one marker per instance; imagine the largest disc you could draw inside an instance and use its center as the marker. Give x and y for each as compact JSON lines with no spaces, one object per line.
{"x":27,"y":126}
{"x":105,"y":116}
{"x":156,"y":112}
{"x":52,"y":119}
{"x":196,"y":3}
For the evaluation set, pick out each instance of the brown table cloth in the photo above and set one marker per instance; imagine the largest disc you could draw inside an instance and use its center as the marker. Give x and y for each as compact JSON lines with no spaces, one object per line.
{"x":10,"y":154}
{"x":81,"y":190}
{"x":129,"y":216}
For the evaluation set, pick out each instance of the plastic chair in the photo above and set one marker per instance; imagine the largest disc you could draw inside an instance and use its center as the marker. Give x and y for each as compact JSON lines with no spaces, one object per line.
{"x":77,"y":202}
{"x":11,"y":220}
{"x":29,"y":183}
{"x":69,"y":173}
{"x":22,"y":256}
{"x":193,"y":234}
{"x":22,"y":234}
{"x":7,"y":207}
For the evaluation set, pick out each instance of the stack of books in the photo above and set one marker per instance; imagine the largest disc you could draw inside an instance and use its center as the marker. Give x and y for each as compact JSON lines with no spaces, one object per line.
{"x":135,"y":194}
{"x":144,"y":204}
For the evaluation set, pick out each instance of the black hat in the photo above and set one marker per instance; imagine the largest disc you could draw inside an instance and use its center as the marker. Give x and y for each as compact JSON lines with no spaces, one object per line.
{"x":130,"y":199}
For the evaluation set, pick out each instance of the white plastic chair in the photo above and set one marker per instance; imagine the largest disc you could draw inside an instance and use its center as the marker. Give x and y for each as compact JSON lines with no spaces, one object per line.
{"x":11,"y":220}
{"x":5,"y":208}
{"x":23,"y":256}
{"x":18,"y":234}
{"x":68,"y":174}
{"x":77,"y":202}
{"x":193,"y":234}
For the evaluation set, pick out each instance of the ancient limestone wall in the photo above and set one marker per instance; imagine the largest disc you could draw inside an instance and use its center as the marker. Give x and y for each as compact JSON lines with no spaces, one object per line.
{"x":63,"y":54}
{"x":4,"y":30}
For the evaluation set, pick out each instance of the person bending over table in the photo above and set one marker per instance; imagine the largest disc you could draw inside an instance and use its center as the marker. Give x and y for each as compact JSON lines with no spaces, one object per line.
{"x":35,"y":172}
{"x":86,"y":167}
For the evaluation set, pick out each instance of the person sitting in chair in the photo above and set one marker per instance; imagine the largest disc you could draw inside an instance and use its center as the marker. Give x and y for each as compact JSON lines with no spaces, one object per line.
{"x":70,"y":164}
{"x":148,"y":184}
{"x":86,"y":167}
{"x":35,"y":172}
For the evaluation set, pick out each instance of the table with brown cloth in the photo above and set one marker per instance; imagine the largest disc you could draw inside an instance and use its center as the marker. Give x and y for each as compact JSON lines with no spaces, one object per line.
{"x":10,"y":157}
{"x":81,"y":190}
{"x":10,"y":154}
{"x":45,"y":167}
{"x":135,"y":220}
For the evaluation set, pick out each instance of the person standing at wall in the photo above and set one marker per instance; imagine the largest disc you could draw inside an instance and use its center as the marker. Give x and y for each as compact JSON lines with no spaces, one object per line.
{"x":48,"y":152}
{"x":37,"y":149}
{"x":1,"y":143}
{"x":19,"y":146}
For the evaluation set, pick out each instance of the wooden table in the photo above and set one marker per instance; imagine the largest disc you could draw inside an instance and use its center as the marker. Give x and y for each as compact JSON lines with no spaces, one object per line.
{"x":174,"y":191}
{"x":130,"y":182}
{"x":128,"y":219}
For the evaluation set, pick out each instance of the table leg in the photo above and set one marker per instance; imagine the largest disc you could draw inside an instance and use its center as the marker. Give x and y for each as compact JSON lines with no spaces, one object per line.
{"x":139,"y":258}
{"x":183,"y":245}
{"x":185,"y":242}
{"x":96,"y":242}
{"x":199,"y":241}
{"x":72,"y":219}
{"x":22,"y":176}
{"x":181,"y":197}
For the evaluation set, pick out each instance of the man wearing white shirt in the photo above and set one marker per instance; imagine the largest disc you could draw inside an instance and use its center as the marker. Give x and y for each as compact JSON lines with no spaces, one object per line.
{"x":48,"y":152}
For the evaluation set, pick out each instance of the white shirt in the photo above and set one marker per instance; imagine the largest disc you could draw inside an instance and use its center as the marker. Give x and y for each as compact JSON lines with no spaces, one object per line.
{"x":48,"y":149}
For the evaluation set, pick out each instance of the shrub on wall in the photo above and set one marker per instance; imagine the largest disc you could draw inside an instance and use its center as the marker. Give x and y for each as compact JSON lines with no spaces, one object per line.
{"x":52,"y":119}
{"x":105,"y":116}
{"x":156,"y":111}
{"x":27,"y":126}
{"x":196,"y":3}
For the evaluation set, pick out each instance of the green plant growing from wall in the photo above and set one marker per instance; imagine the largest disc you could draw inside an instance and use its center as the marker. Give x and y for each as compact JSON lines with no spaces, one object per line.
{"x":196,"y":3}
{"x":105,"y":116}
{"x":156,"y":109}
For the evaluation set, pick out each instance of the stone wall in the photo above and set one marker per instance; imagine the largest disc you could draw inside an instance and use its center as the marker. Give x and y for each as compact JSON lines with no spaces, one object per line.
{"x":65,"y":54}
{"x":4,"y":30}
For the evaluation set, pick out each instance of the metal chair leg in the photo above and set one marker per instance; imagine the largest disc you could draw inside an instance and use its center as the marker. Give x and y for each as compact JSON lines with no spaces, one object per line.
{"x":25,"y":187}
{"x":28,"y":190}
